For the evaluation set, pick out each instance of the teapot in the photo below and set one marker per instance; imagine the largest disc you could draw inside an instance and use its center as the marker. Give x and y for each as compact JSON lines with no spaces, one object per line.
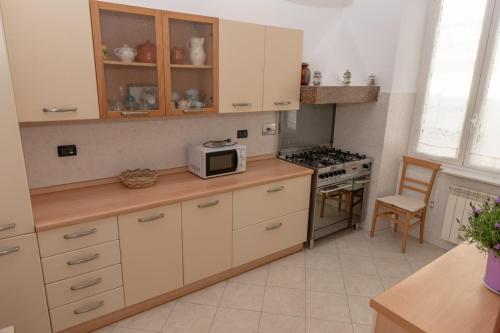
{"x":197,"y":54}
{"x":146,"y":52}
{"x":125,"y":53}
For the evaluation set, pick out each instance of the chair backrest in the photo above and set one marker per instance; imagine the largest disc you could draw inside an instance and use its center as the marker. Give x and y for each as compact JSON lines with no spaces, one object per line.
{"x":417,"y":185}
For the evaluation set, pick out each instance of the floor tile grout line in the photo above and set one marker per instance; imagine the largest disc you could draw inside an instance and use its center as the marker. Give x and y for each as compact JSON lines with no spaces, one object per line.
{"x":226,"y":282}
{"x":268,"y":268}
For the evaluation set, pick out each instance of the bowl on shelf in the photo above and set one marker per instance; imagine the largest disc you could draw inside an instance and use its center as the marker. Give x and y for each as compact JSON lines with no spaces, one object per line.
{"x":139,"y":178}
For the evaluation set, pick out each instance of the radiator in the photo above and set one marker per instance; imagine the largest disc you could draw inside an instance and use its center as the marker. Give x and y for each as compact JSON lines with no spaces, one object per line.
{"x":458,"y":210}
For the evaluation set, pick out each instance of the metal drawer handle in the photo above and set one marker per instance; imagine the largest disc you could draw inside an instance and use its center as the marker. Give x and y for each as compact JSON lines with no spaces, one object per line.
{"x":7,"y":226}
{"x":274,"y":226}
{"x":54,"y":109}
{"x":134,"y":113}
{"x":276,"y":189}
{"x":283,"y":103}
{"x":209,"y":204}
{"x":87,"y":284}
{"x":89,"y":307}
{"x":81,"y":234}
{"x":194,"y":110}
{"x":83,"y":260}
{"x":242,"y":104}
{"x":9,"y":251}
{"x":151,"y":218}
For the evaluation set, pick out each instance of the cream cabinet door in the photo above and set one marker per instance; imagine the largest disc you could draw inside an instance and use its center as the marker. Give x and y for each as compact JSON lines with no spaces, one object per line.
{"x":51,"y":59}
{"x":206,"y":236}
{"x":15,"y":205}
{"x":241,"y":74}
{"x":283,"y":58}
{"x":151,"y":248}
{"x":22,"y":301}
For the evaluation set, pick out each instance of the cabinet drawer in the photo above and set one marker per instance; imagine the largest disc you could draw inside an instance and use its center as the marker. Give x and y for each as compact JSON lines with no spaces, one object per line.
{"x":206,"y":236}
{"x":81,"y":261}
{"x":264,"y":202}
{"x":268,"y":237}
{"x":77,"y":236}
{"x":87,"y":309}
{"x":151,"y":248}
{"x":82,"y":286}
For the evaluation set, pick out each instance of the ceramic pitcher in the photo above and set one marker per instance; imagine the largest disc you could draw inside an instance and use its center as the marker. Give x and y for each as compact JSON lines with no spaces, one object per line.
{"x":197,"y":54}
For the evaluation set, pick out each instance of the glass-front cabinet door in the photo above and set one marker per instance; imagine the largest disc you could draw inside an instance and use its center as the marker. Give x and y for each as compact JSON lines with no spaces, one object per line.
{"x":191,"y":42}
{"x":128,"y":48}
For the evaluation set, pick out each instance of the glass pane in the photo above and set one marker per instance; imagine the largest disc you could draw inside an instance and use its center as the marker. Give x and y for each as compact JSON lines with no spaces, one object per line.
{"x":191,"y":64}
{"x":485,"y":150}
{"x":452,"y":67}
{"x":130,"y":61}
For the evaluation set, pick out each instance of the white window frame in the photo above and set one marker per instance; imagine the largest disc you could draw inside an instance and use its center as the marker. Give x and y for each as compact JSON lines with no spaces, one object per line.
{"x":478,"y":86}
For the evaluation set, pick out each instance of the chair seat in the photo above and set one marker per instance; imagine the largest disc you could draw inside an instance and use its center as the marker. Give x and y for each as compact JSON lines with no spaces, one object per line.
{"x":405,"y":202}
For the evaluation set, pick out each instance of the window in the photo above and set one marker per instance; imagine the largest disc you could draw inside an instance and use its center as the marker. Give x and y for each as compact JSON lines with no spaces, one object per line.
{"x":458,"y":113}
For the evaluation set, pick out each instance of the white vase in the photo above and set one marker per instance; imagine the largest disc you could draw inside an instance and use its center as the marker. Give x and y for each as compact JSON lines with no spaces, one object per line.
{"x":197,"y":54}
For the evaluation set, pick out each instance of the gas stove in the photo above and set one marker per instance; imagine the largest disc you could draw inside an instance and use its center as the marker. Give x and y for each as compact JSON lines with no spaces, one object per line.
{"x":337,"y":189}
{"x":330,"y":164}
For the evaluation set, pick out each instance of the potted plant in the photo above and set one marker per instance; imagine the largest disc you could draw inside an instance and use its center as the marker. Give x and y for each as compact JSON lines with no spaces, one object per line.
{"x":484,"y":231}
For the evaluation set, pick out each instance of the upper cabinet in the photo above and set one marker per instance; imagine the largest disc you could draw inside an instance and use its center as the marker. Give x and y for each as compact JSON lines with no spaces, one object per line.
{"x":51,"y":59}
{"x":242,"y":71}
{"x":128,"y":46}
{"x":87,"y":59}
{"x":192,"y":62}
{"x":283,"y":56}
{"x":260,"y":67}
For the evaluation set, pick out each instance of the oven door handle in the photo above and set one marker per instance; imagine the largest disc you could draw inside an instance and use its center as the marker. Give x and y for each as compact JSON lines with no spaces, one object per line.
{"x":336,"y":189}
{"x":361,"y":182}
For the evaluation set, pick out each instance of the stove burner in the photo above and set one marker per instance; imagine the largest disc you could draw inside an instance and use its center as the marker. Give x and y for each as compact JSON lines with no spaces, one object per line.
{"x":323,"y":157}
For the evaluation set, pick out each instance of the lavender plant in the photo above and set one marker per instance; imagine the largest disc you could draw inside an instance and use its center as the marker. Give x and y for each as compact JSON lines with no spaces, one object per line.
{"x":484,"y":227}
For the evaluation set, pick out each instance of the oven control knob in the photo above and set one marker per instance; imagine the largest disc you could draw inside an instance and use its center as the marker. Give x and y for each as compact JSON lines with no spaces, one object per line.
{"x":331,"y":174}
{"x":365,"y":166}
{"x":321,"y":176}
{"x":335,"y":173}
{"x":343,"y":171}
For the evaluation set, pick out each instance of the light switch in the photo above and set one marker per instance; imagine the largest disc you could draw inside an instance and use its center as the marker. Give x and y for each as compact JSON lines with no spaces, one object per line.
{"x":269,"y":129}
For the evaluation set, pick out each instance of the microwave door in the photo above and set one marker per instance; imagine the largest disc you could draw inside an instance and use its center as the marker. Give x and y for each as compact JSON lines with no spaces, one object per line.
{"x":221,"y":162}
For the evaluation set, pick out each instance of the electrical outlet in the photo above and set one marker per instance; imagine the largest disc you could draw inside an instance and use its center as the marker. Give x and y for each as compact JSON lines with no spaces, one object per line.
{"x":242,"y":134}
{"x":67,"y":150}
{"x":269,"y":129}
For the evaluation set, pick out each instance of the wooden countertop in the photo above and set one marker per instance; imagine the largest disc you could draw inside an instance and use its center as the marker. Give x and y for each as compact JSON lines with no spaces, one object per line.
{"x":59,"y":209}
{"x":446,"y":296}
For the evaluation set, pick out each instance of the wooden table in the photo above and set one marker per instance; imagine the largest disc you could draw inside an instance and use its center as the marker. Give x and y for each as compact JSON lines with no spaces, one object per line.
{"x":446,"y":296}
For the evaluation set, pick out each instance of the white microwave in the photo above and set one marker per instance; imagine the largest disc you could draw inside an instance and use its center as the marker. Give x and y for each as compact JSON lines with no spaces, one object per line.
{"x":208,"y":162}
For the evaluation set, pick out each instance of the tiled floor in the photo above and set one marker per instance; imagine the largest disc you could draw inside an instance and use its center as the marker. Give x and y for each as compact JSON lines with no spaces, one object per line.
{"x":326,"y":289}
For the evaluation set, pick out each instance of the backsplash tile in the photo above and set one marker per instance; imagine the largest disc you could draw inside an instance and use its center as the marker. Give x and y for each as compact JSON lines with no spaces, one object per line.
{"x":107,"y":148}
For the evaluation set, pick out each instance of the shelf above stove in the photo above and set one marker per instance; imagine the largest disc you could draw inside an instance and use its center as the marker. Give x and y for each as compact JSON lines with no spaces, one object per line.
{"x":338,"y":94}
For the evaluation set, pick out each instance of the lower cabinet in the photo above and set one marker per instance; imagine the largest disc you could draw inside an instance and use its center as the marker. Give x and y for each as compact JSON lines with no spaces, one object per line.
{"x":207,"y":225}
{"x":270,"y":236}
{"x":86,"y":309}
{"x":151,"y":249}
{"x":22,"y":295}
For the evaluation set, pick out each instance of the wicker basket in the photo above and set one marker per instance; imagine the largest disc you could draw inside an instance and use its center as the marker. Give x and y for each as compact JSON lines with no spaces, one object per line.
{"x":139,"y":178}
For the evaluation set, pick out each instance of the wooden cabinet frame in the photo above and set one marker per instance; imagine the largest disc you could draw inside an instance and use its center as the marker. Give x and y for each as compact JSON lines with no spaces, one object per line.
{"x":163,"y":66}
{"x":95,"y":7}
{"x":166,"y":16}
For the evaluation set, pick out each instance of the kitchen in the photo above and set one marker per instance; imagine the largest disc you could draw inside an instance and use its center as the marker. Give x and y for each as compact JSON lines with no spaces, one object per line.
{"x":280,"y":242}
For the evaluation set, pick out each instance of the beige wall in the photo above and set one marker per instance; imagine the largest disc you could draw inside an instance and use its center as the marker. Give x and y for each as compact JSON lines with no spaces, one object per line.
{"x":107,"y":148}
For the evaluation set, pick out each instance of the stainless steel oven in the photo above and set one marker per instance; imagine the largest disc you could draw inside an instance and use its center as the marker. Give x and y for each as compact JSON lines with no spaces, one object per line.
{"x":336,"y":206}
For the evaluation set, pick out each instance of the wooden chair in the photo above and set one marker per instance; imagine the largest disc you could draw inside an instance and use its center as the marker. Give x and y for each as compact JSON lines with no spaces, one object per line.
{"x":403,"y":209}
